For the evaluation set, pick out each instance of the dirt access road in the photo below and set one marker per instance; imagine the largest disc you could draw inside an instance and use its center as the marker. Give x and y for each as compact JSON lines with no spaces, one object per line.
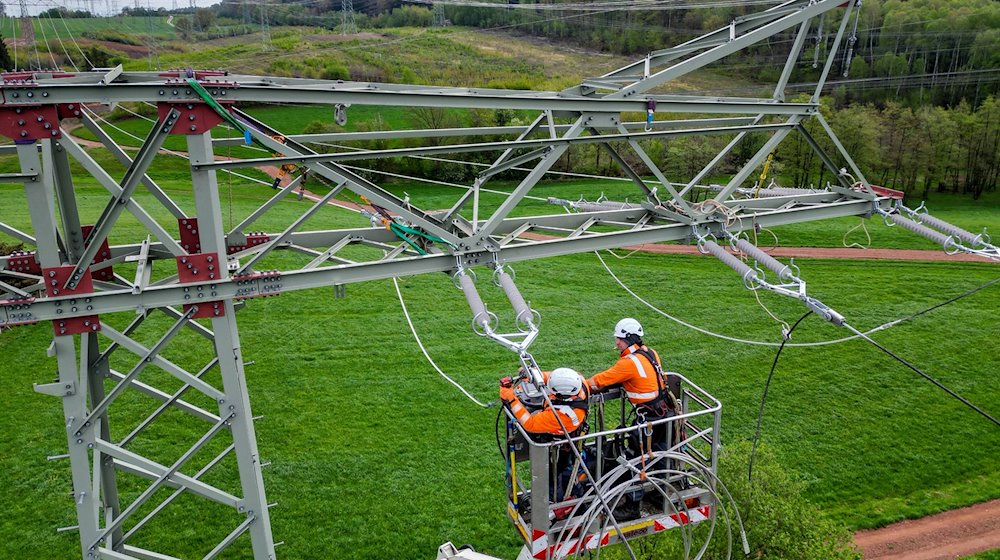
{"x":952,"y":534}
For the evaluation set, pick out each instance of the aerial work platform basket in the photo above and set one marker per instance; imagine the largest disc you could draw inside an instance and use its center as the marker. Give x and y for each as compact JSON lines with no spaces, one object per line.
{"x":652,"y":482}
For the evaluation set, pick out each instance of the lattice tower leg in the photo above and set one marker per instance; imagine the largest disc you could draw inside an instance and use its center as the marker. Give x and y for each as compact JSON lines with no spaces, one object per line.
{"x":227,"y":345}
{"x":72,"y":379}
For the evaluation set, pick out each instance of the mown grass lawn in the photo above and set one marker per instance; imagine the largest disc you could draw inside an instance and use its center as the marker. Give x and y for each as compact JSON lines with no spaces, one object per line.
{"x":372,"y":454}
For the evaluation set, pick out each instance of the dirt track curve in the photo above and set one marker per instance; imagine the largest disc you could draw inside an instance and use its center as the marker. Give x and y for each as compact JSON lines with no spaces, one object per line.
{"x":952,"y":534}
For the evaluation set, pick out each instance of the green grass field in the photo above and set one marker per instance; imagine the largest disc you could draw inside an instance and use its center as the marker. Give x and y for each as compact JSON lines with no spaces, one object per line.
{"x":73,"y":28}
{"x":372,"y":453}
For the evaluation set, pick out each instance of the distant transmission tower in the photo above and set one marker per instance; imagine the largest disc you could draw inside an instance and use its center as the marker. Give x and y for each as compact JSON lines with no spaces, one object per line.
{"x":265,"y":28}
{"x":347,"y":24}
{"x":24,"y":8}
{"x":439,"y":19}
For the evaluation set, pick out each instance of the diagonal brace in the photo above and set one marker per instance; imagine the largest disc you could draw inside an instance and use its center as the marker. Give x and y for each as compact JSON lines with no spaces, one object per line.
{"x":135,"y":172}
{"x":164,"y":364}
{"x":100,"y":407}
{"x":291,"y":228}
{"x":167,"y":403}
{"x":160,"y":481}
{"x":124,"y":159}
{"x":218,"y":458}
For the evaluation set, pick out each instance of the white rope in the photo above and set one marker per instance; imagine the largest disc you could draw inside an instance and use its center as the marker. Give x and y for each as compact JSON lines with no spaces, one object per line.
{"x":858,"y":245}
{"x":58,"y":38}
{"x":734,"y":339}
{"x":68,"y":32}
{"x":416,"y":337}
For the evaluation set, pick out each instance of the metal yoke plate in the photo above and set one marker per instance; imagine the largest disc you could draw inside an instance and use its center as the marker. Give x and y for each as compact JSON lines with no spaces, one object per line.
{"x":103,"y":254}
{"x":253,"y":239}
{"x":190,"y":240}
{"x":196,"y":116}
{"x":27,"y":123}
{"x":23,"y":261}
{"x":55,"y":278}
{"x":260,"y":284}
{"x":201,"y":267}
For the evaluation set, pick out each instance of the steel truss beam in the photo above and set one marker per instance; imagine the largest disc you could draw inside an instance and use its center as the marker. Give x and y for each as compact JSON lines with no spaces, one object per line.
{"x":480,"y":225}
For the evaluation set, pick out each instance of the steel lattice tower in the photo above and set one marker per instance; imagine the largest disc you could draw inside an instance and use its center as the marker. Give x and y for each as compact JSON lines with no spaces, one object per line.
{"x":347,"y":24}
{"x":265,"y":28}
{"x":439,"y":17}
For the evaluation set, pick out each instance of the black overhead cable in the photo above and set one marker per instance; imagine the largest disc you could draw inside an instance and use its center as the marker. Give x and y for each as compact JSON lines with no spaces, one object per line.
{"x":940,"y":385}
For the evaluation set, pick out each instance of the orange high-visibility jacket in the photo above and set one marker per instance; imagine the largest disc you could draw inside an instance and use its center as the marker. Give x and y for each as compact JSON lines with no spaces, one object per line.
{"x":634,"y":372}
{"x":544,"y":421}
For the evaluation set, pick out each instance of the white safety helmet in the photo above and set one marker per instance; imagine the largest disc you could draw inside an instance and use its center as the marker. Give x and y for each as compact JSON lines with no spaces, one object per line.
{"x":628,"y":326}
{"x":565,"y":382}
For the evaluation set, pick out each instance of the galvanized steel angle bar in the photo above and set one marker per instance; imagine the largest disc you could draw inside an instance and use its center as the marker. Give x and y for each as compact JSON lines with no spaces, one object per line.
{"x":843,"y":152}
{"x":231,"y":537}
{"x":160,"y":480}
{"x":793,"y":56}
{"x":718,"y":158}
{"x":135,"y":464}
{"x":102,"y":176}
{"x":16,"y":234}
{"x":474,"y":131}
{"x":161,"y":396}
{"x":180,"y":490}
{"x":145,"y":360}
{"x":624,"y":165}
{"x":326,"y":255}
{"x":512,"y":162}
{"x":825,"y":158}
{"x":56,"y":163}
{"x":363,"y":187}
{"x":125,"y":160}
{"x":161,"y":362}
{"x":266,"y":248}
{"x":166,"y":404}
{"x":110,"y":554}
{"x":41,"y":205}
{"x":143,"y":554}
{"x":150,"y":147}
{"x":13,"y":291}
{"x":758,"y":33}
{"x":157,"y":296}
{"x":683,"y":204}
{"x":143,"y":267}
{"x":312,"y":158}
{"x":832,"y":53}
{"x":751,"y":165}
{"x":278,"y":196}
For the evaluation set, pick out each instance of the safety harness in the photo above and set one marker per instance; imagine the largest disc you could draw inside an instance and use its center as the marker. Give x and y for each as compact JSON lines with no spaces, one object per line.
{"x":666,"y":397}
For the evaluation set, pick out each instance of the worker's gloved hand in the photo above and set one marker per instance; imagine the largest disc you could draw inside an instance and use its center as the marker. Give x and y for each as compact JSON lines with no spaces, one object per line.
{"x":507,"y":393}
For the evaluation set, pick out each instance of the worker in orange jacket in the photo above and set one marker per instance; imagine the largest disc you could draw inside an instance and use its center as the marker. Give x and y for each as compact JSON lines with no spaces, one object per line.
{"x":569,"y":399}
{"x":637,"y":370}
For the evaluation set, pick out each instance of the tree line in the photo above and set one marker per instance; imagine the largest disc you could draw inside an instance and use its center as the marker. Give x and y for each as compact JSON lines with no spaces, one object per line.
{"x":919,"y":151}
{"x":936,"y":52}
